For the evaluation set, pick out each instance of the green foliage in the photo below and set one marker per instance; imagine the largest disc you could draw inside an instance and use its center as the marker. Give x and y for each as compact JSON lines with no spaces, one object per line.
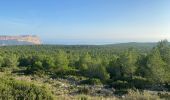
{"x":84,"y":62}
{"x":1,"y":61}
{"x":121,"y":65}
{"x":120,"y":84}
{"x":10,"y":61}
{"x":97,"y":71}
{"x":140,"y":82}
{"x":128,"y":62}
{"x":61,"y":60}
{"x":11,"y":89}
{"x":164,"y":49}
{"x":156,"y":67}
{"x":65,"y":72}
{"x":125,"y":66}
{"x":137,"y":95}
{"x":35,"y":65}
{"x":48,"y":63}
{"x":92,"y":81}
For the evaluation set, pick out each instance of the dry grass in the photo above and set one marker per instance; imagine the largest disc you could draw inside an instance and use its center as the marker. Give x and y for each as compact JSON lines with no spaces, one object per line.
{"x":85,"y":97}
{"x":137,"y":95}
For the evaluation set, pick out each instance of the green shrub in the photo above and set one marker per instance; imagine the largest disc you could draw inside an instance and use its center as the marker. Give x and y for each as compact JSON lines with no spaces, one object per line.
{"x":11,"y":89}
{"x":97,"y":71}
{"x":92,"y":81}
{"x":65,"y":72}
{"x":120,"y":84}
{"x":137,"y":95}
{"x":140,"y":82}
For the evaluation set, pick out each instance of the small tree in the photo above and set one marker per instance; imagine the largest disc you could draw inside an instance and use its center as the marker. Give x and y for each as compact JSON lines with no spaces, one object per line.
{"x":164,"y":49}
{"x":37,"y":66}
{"x":129,"y":61}
{"x":125,"y":65}
{"x":84,"y":62}
{"x":48,"y":63}
{"x":61,"y":60}
{"x":11,"y":61}
{"x":1,"y":61}
{"x":156,"y":67}
{"x":97,"y":71}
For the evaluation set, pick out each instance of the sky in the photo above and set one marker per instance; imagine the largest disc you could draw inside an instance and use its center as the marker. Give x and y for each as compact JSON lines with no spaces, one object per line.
{"x":87,"y":21}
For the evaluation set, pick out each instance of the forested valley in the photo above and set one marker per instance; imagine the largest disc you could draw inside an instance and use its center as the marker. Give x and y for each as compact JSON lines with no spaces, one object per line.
{"x":83,"y":72}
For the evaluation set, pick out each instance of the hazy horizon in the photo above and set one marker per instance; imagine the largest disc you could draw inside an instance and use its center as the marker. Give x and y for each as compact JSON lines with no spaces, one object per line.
{"x":88,"y":21}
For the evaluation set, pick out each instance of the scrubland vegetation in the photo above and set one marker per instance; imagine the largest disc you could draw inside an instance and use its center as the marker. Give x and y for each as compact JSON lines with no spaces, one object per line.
{"x":49,"y":72}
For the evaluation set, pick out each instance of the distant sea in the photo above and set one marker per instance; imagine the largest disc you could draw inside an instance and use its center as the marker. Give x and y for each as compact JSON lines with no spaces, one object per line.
{"x":87,"y":42}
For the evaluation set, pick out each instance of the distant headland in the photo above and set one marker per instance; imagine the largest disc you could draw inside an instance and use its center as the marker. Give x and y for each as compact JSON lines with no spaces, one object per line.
{"x":19,"y":40}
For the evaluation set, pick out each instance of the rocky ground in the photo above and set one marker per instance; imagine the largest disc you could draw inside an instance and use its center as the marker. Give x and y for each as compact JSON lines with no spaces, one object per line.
{"x":69,"y":87}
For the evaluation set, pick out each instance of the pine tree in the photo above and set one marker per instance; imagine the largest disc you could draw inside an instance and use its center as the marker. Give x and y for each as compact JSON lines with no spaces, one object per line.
{"x":61,"y":60}
{"x":128,"y":62}
{"x":156,"y":67}
{"x":85,"y":61}
{"x":164,"y":49}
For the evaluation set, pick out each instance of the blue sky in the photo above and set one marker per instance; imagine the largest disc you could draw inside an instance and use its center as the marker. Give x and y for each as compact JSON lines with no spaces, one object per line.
{"x":87,"y":21}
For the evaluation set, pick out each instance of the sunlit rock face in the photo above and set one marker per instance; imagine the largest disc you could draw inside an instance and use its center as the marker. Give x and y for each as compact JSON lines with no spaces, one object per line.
{"x":20,"y":40}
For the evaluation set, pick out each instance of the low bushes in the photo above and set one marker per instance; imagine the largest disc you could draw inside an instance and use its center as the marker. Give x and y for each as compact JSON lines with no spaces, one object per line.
{"x":137,"y":95}
{"x":11,"y":89}
{"x":120,"y":84}
{"x":92,"y":81}
{"x":140,"y":82}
